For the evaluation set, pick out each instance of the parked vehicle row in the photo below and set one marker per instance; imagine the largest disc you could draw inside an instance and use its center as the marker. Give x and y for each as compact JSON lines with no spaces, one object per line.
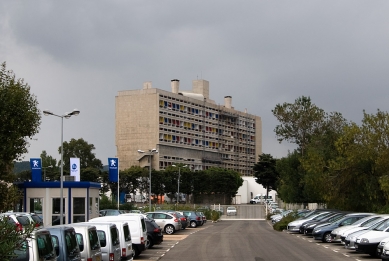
{"x":363,"y":232}
{"x":105,"y":238}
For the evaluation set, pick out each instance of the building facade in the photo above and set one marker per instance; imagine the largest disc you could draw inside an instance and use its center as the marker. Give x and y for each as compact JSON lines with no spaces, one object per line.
{"x":185,"y":127}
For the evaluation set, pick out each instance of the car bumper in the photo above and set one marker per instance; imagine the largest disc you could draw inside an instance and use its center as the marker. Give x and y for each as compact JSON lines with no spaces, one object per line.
{"x":366,"y":248}
{"x":335,"y":238}
{"x":318,"y":236}
{"x":293,"y":228}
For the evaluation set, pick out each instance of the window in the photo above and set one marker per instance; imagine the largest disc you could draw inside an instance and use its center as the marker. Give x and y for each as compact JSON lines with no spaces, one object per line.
{"x":102,"y":237}
{"x":36,"y":205}
{"x":78,"y":210}
{"x":80,"y":241}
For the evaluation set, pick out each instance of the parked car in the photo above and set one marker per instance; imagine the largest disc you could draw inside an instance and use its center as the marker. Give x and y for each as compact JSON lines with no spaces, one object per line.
{"x":154,"y":234}
{"x":36,"y":248}
{"x":109,"y":241}
{"x":311,"y":225}
{"x":337,"y":233}
{"x":21,"y":219}
{"x":65,"y":243}
{"x":348,"y":237}
{"x":385,"y":250}
{"x":294,"y":226}
{"x":167,"y":221}
{"x":137,"y":226}
{"x":203,"y":217}
{"x":323,"y":232}
{"x":184,"y":220}
{"x":193,"y":218}
{"x":124,"y":237}
{"x":368,"y":242}
{"x":231,"y":211}
{"x":88,"y":241}
{"x":111,"y":212}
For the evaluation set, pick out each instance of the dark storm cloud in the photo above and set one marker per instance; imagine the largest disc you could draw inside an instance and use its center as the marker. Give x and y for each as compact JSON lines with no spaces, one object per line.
{"x":259,"y":52}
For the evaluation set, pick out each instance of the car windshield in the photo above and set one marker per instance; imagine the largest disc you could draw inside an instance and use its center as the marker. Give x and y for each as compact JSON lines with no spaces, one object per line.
{"x":382,"y":226}
{"x":366,"y":221}
{"x":372,"y":222}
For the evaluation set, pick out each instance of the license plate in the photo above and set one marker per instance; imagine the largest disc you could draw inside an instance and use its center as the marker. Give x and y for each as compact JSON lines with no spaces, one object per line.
{"x":98,"y":258}
{"x":129,"y":247}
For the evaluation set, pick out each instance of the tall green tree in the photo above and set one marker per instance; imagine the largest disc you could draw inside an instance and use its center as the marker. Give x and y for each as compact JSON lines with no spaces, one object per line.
{"x":299,"y":121}
{"x":266,"y":173}
{"x":80,"y":149}
{"x":19,"y":119}
{"x":50,"y":168}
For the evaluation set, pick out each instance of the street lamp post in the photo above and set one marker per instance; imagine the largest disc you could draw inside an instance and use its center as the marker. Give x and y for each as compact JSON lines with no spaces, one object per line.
{"x":178,"y":183}
{"x":149,"y":153}
{"x":44,"y":172}
{"x":67,"y":115}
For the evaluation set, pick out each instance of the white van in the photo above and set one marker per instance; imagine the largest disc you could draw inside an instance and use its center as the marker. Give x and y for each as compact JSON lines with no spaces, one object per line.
{"x":137,"y":226}
{"x":124,"y":236}
{"x":38,"y":247}
{"x":109,"y":241}
{"x":88,"y":241}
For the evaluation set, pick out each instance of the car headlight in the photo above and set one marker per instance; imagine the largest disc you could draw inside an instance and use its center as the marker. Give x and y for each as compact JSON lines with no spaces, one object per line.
{"x":316,"y":230}
{"x":312,"y":225}
{"x":382,"y":243}
{"x":335,"y":231}
{"x":364,"y":240}
{"x":386,"y":252}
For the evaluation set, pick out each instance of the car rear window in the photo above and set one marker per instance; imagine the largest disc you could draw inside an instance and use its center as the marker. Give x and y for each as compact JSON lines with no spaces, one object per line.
{"x":71,"y":243}
{"x":102,"y":238}
{"x":94,"y":239}
{"x":114,"y":236}
{"x":127,"y":235}
{"x":45,"y":245}
{"x":80,"y":241}
{"x":22,"y":254}
{"x":24,"y":220}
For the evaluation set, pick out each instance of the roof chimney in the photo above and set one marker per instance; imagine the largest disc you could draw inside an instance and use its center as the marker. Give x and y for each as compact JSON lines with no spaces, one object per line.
{"x":175,"y":85}
{"x":147,"y":85}
{"x":227,"y":101}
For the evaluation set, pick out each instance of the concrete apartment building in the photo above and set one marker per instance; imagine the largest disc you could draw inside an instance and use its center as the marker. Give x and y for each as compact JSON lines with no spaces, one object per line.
{"x":185,"y":127}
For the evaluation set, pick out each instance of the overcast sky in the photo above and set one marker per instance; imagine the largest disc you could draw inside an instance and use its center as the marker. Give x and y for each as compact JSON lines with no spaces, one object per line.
{"x":79,"y":54}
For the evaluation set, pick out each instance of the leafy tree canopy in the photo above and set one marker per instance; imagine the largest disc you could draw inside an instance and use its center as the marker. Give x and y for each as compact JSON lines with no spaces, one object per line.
{"x":19,"y":119}
{"x":265,"y":172}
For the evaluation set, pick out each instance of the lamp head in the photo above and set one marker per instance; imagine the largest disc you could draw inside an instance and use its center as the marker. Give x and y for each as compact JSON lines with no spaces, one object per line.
{"x":75,"y":112}
{"x":141,"y":151}
{"x":47,"y":112}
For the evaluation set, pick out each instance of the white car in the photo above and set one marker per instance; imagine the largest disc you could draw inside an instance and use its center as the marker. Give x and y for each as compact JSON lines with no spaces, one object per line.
{"x":337,"y":233}
{"x":231,"y":211}
{"x":369,"y":241}
{"x":294,"y":226}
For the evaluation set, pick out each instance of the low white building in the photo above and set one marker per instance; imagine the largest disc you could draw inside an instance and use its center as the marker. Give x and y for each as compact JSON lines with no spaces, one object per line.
{"x":249,"y":189}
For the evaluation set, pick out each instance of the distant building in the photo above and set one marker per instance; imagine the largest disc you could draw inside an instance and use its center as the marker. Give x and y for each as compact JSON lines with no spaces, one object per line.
{"x":185,"y":127}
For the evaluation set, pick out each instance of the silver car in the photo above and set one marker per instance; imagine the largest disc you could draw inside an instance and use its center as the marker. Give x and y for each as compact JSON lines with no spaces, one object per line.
{"x":167,"y":221}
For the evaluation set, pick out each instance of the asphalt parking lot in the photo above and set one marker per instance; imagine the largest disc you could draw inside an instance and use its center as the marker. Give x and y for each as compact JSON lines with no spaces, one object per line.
{"x":169,"y":242}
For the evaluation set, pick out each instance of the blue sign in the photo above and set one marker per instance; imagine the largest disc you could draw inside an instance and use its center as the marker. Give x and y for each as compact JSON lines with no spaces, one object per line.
{"x":113,"y":169}
{"x":36,"y":169}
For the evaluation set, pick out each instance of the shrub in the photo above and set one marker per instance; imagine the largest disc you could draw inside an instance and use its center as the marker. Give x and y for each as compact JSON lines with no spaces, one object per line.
{"x":283,"y":223}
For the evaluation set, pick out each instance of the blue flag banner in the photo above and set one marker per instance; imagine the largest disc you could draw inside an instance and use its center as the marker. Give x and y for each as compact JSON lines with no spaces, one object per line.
{"x":113,"y":167}
{"x":36,"y":169}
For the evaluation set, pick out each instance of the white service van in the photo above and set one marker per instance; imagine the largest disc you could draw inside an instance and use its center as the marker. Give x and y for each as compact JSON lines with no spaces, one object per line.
{"x":138,"y":230}
{"x":109,"y":241}
{"x":88,"y":241}
{"x":38,"y":247}
{"x":124,"y":236}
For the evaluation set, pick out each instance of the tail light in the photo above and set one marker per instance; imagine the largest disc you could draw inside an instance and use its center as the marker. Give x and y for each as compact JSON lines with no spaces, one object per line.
{"x":19,"y":227}
{"x":37,"y":225}
{"x":124,"y":252}
{"x":142,"y":240}
{"x":89,"y":259}
{"x":197,"y":218}
{"x":111,"y":257}
{"x":156,"y":230}
{"x":176,"y":220}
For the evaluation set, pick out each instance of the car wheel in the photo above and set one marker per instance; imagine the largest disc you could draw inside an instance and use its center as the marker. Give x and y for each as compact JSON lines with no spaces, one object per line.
{"x":169,"y":229}
{"x":150,"y":241}
{"x":147,"y":243}
{"x":193,"y":224}
{"x":327,"y":238}
{"x":136,"y":251}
